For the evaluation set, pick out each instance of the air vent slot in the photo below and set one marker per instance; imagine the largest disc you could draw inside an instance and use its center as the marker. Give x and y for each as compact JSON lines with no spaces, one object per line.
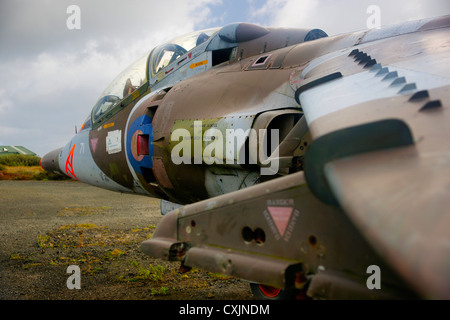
{"x":261,"y":60}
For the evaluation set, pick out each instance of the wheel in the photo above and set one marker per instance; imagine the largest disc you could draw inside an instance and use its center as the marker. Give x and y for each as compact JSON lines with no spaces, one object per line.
{"x":263,"y":292}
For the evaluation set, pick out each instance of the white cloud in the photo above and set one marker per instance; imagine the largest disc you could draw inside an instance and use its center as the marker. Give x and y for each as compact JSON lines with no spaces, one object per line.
{"x":335,"y":17}
{"x":285,"y":13}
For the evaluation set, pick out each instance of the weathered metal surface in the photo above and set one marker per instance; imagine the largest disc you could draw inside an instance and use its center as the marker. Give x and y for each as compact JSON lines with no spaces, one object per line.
{"x":398,"y":197}
{"x":364,"y":118}
{"x":269,"y":233}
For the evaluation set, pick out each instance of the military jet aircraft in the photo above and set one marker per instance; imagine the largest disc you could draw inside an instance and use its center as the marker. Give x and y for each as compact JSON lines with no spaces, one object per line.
{"x":310,"y":166}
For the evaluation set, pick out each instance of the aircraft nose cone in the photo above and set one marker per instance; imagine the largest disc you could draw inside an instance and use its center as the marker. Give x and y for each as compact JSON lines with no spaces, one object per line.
{"x":50,"y":162}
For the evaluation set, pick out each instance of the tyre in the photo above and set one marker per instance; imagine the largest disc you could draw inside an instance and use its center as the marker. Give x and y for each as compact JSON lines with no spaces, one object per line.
{"x":263,"y":292}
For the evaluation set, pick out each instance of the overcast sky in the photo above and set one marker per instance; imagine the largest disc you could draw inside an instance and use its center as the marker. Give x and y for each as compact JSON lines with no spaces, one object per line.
{"x":51,"y":76}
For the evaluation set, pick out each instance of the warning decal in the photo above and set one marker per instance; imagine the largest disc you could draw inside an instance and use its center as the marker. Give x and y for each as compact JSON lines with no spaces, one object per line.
{"x":281,"y":217}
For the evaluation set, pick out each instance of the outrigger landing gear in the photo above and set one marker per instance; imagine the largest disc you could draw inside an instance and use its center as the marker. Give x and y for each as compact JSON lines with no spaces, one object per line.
{"x":264,"y":292}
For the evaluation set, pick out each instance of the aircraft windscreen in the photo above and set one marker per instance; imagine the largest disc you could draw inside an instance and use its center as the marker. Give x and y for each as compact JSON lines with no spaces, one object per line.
{"x":135,"y":75}
{"x":124,"y":84}
{"x":165,"y":54}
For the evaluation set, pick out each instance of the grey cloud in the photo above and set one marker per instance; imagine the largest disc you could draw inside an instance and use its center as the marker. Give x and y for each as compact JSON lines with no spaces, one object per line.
{"x":50,"y":76}
{"x":32,"y":27}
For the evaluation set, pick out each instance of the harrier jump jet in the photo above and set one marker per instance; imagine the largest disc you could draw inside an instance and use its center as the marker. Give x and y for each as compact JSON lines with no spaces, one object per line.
{"x":311,"y":166}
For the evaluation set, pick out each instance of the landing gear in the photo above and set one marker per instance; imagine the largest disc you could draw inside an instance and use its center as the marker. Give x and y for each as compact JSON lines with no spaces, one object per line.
{"x":264,"y":292}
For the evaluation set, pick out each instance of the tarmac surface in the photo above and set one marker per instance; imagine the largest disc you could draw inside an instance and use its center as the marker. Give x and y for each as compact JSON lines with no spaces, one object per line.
{"x":47,"y":226}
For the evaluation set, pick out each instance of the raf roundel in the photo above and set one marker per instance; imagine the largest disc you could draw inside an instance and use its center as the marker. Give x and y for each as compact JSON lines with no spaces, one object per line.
{"x":139,"y":144}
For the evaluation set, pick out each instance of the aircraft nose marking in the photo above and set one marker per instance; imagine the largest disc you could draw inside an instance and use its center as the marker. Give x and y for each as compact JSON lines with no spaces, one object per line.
{"x":69,"y":164}
{"x":94,"y":144}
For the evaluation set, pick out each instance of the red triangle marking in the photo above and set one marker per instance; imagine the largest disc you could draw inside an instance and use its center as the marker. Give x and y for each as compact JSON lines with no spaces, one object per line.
{"x":281,"y":216}
{"x":94,"y":143}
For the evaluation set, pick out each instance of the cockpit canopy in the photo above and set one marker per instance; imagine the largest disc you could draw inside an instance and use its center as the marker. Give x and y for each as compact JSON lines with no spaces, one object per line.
{"x":188,"y":55}
{"x":167,"y":53}
{"x":123,"y":85}
{"x":146,"y":67}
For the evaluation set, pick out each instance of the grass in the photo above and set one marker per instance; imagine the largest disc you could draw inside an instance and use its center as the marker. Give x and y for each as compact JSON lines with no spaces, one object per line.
{"x":115,"y":254}
{"x":28,"y":173}
{"x":88,"y":235}
{"x":110,"y":255}
{"x":163,"y":291}
{"x":151,"y":273}
{"x":82,"y":211}
{"x":21,"y":167}
{"x":15,"y":160}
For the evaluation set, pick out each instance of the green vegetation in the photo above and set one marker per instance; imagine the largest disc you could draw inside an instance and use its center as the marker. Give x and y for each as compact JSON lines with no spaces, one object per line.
{"x":25,"y":167}
{"x":82,"y":211}
{"x":115,"y":254}
{"x":111,"y":255}
{"x":163,"y":291}
{"x":151,"y":273}
{"x":16,"y":160}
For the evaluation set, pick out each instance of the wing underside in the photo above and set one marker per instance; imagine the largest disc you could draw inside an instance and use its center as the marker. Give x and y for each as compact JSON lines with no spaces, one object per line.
{"x":379,"y":118}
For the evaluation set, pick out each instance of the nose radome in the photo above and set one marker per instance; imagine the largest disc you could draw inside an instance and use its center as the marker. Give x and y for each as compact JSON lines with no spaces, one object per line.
{"x":50,"y":162}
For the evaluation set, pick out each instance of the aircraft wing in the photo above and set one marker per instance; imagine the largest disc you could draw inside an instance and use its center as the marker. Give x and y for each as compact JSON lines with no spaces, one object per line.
{"x":379,"y":116}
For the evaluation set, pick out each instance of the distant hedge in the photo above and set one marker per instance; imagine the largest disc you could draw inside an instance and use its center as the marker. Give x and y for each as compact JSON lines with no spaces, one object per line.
{"x":30,"y":169}
{"x":14,"y":160}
